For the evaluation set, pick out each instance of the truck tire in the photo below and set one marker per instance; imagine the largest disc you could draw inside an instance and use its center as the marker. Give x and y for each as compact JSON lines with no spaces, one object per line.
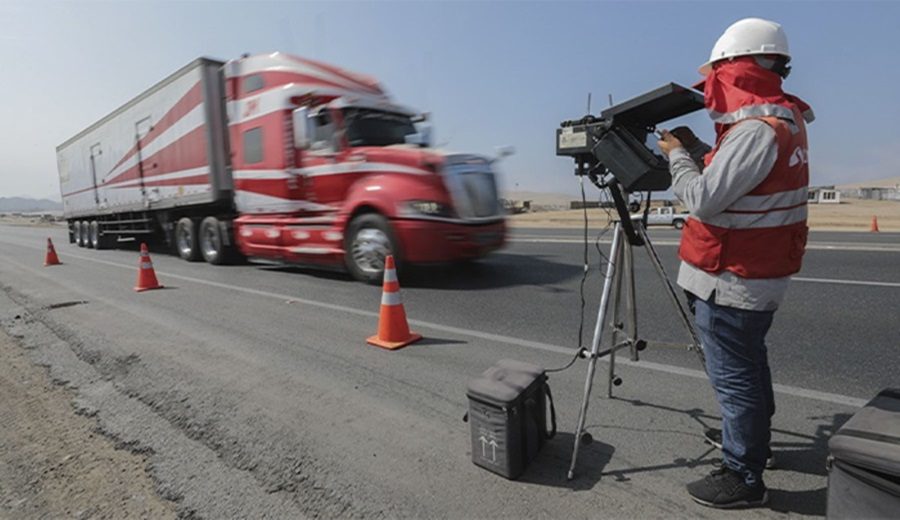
{"x":212,"y":243}
{"x":85,"y":233}
{"x":94,"y":234}
{"x":369,"y":239}
{"x":104,"y":240}
{"x":186,"y":240}
{"x":76,"y":233}
{"x":678,"y":223}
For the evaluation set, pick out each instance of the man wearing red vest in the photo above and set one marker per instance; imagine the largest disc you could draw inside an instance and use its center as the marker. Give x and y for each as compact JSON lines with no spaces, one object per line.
{"x":745,"y":237}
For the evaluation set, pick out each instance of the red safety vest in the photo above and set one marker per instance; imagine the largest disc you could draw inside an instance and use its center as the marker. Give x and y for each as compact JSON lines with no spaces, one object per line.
{"x":762,"y":234}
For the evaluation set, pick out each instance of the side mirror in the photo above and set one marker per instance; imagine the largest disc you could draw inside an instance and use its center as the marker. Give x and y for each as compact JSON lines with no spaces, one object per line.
{"x":504,"y":152}
{"x":421,"y":138}
{"x":302,"y":128}
{"x":425,"y":132}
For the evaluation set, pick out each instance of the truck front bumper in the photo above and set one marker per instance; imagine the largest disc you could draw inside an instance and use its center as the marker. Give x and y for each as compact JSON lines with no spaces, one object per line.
{"x":428,"y":241}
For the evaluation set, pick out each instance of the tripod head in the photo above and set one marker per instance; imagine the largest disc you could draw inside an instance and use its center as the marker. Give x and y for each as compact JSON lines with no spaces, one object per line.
{"x":615,"y":145}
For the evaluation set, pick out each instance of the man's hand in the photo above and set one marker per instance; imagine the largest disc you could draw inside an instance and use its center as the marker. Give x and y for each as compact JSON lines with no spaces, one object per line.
{"x":668,"y":142}
{"x":685,"y":135}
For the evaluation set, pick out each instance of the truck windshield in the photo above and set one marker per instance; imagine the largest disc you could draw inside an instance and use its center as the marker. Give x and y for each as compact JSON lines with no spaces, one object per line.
{"x":366,"y":127}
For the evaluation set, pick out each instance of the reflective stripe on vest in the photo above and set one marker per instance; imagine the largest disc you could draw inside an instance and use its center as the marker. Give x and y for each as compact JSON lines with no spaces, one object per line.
{"x":762,"y":234}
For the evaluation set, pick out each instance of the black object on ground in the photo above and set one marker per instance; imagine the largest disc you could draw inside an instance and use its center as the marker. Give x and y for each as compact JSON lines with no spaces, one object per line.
{"x":508,"y":416}
{"x":864,"y":461}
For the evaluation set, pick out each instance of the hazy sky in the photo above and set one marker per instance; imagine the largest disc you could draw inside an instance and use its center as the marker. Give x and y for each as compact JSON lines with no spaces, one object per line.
{"x":491,"y":73}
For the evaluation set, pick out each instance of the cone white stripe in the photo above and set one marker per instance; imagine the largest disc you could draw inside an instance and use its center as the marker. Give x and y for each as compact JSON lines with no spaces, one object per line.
{"x":390,"y":298}
{"x":390,"y":275}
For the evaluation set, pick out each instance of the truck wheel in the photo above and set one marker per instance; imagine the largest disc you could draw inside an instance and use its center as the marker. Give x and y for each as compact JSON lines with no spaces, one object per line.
{"x":678,"y":224}
{"x":103,"y":241}
{"x":212,"y":245}
{"x":76,"y":233}
{"x":76,"y":226}
{"x":94,"y":236}
{"x":369,"y":240}
{"x":85,"y":233}
{"x":186,"y":240}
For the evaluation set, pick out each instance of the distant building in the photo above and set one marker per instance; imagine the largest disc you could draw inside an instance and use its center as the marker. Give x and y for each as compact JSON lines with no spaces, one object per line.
{"x":879,"y":193}
{"x":824,"y":195}
{"x":515,"y":207}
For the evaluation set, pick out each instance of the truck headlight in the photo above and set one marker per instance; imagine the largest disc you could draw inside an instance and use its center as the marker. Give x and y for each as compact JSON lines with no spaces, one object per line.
{"x":428,"y":207}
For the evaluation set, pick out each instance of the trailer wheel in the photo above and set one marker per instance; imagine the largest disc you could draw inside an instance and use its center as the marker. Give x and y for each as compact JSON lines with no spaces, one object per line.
{"x":368,"y":242}
{"x":212,"y":244}
{"x":85,"y":230}
{"x":186,"y":240}
{"x":678,"y":224}
{"x":100,"y":240}
{"x":94,"y":235}
{"x":76,"y":233}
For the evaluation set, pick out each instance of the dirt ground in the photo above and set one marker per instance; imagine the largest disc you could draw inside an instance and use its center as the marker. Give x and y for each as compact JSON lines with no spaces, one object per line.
{"x":28,"y":221}
{"x":852,"y":215}
{"x":52,"y":463}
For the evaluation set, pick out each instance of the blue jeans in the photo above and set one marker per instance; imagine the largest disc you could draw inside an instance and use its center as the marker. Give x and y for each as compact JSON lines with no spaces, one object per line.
{"x":734,"y":341}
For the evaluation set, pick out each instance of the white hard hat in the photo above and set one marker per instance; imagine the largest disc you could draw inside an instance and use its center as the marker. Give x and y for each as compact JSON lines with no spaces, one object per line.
{"x":748,"y":37}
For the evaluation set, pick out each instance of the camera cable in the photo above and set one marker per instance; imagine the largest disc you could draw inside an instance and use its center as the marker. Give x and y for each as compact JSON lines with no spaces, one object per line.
{"x":579,"y":351}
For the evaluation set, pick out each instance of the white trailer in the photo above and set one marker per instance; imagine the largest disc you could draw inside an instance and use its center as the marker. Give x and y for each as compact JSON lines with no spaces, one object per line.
{"x":166,"y":149}
{"x":276,"y":157}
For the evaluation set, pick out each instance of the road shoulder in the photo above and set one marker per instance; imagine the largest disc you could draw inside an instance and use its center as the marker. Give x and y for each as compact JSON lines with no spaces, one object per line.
{"x":53,"y":463}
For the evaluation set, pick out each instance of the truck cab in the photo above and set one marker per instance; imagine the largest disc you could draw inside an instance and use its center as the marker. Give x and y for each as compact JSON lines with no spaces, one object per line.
{"x":329,"y":170}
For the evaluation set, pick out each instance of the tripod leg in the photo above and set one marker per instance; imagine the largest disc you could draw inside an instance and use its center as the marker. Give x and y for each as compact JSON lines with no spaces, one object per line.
{"x":616,"y":322}
{"x":673,"y":296}
{"x":630,"y":303}
{"x":595,"y":345}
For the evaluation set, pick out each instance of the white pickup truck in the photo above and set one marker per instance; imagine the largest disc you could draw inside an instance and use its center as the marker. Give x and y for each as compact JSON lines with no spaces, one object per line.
{"x":664,"y":216}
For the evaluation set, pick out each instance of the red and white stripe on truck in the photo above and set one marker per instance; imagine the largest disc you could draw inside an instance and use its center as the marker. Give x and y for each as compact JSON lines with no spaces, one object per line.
{"x":206,"y":162}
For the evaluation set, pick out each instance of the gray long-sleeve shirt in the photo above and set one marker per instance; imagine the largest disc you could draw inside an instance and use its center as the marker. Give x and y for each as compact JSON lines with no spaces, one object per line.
{"x":744,"y":159}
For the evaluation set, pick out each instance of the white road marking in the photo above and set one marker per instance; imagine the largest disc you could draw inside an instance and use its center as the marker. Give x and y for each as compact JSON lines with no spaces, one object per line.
{"x":499,"y":338}
{"x":846,"y":282}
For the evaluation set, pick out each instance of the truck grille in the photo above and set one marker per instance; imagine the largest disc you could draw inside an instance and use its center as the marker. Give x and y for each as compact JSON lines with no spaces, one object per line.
{"x":473,"y":189}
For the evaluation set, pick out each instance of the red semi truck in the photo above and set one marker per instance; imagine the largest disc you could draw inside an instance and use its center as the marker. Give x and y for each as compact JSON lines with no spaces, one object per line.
{"x":282,"y":158}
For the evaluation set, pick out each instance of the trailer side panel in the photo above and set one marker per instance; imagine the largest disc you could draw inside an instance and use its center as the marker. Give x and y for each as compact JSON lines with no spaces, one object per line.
{"x":166,"y":148}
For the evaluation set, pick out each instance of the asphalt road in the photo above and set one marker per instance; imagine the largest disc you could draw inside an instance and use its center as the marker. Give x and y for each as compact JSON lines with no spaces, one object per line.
{"x":836,"y":331}
{"x":253,"y":392}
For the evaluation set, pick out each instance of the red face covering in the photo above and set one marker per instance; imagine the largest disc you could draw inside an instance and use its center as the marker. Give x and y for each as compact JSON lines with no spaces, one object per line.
{"x":740,"y":89}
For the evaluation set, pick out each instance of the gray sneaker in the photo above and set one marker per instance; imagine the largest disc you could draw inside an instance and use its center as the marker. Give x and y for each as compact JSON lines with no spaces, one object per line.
{"x":724,"y":488}
{"x":713,"y":436}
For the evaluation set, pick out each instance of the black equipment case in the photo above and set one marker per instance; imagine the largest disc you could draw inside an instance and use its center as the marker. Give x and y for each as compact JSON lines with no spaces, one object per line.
{"x":864,"y":462}
{"x":508,"y":416}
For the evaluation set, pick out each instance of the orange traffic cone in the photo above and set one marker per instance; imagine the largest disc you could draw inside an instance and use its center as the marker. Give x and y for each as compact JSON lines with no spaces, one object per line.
{"x":393,"y":330}
{"x":874,"y":227}
{"x":50,"y":258}
{"x":146,"y":279}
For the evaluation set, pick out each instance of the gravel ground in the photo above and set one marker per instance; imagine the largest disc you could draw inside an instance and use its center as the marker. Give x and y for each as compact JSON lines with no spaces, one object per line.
{"x":252,"y":394}
{"x":53,"y":463}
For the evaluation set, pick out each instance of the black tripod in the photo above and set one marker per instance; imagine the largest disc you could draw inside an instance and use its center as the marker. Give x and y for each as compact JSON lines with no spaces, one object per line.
{"x":619,"y":295}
